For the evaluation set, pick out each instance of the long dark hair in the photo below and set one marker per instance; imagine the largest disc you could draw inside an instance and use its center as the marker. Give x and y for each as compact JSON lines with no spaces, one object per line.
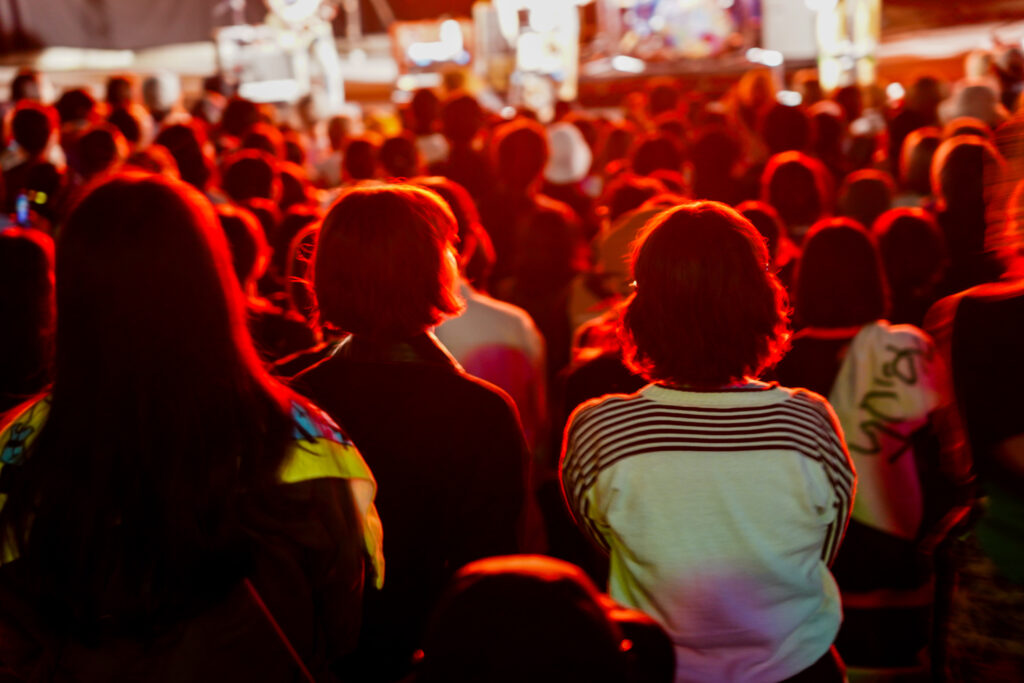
{"x":162,"y":420}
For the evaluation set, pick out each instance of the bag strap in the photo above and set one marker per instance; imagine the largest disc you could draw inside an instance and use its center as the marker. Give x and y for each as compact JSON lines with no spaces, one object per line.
{"x":307,"y":676}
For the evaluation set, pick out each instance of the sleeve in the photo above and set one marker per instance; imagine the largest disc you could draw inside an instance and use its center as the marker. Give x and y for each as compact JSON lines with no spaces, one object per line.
{"x":841,"y":476}
{"x":577,"y":484}
{"x":322,"y":451}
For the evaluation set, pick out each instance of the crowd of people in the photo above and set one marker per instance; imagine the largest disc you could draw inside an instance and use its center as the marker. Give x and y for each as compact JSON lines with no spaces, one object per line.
{"x":388,"y":397}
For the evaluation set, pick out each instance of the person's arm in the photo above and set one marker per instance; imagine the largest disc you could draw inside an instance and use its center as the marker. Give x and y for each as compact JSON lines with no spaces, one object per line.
{"x":842,"y":478}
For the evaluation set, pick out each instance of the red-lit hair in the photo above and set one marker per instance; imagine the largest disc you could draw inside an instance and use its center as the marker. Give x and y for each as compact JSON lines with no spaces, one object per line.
{"x":383,"y":266}
{"x":706,"y":311}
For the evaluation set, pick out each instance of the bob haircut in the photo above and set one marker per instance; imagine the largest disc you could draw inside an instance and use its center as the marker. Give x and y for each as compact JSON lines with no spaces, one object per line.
{"x":706,"y":311}
{"x":383,"y":267}
{"x":798,"y":187}
{"x":839,"y":280}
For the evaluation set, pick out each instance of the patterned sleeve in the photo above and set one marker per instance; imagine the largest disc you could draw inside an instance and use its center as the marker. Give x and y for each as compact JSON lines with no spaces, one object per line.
{"x":322,"y":450}
{"x":841,"y":475}
{"x":577,"y":480}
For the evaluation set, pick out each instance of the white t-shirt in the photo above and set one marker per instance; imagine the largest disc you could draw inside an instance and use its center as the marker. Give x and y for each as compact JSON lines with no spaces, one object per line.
{"x":721,"y":511}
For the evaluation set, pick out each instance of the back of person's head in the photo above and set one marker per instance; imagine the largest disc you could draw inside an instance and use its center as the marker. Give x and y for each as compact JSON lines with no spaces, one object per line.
{"x":520,"y":152}
{"x":657,"y":152}
{"x":706,"y":311}
{"x":32,"y":126}
{"x":960,"y":168}
{"x":923,"y":96}
{"x":549,"y":250}
{"x":186,"y":146}
{"x":663,"y":96}
{"x":766,"y":219}
{"x":839,"y":280}
{"x":967,"y":125}
{"x":75,"y":106}
{"x":120,"y":91}
{"x":797,"y":186}
{"x":338,"y":130}
{"x":249,"y":249}
{"x":250,"y":173}
{"x":295,"y":148}
{"x":865,"y":195}
{"x":125,"y":121}
{"x":161,"y":92}
{"x":916,"y":159}
{"x":239,"y":116}
{"x":152,"y":343}
{"x":99,"y":150}
{"x":827,"y":129}
{"x":424,"y":108}
{"x":154,"y":159}
{"x":461,"y":117}
{"x":361,"y":160}
{"x":295,"y":186}
{"x":851,"y":99}
{"x":400,"y":157}
{"x":266,"y":138}
{"x":296,"y":219}
{"x":26,"y":85}
{"x":913,"y":250}
{"x":27,"y":309}
{"x":627,"y":192}
{"x":467,"y":218}
{"x":522,"y":618}
{"x":619,"y":141}
{"x":785,"y":128}
{"x":384,"y":267}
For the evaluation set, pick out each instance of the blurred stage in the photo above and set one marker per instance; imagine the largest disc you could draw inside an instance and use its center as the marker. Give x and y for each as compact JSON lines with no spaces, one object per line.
{"x":371,"y":73}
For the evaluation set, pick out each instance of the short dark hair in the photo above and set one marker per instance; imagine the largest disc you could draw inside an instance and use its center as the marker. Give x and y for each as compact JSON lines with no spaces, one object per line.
{"x":785,"y":128}
{"x":361,"y":158}
{"x":185,"y":143}
{"x":767,"y":222}
{"x":32,"y":126}
{"x":400,"y":157}
{"x":916,"y":159}
{"x":706,"y":310}
{"x":251,"y":173}
{"x":865,"y":195}
{"x":839,"y":279}
{"x":382,"y":266}
{"x":797,"y":186}
{"x":520,"y":152}
{"x":99,"y":150}
{"x":461,"y":117}
{"x":658,"y":151}
{"x":959,"y":168}
{"x":125,"y":121}
{"x":249,"y":250}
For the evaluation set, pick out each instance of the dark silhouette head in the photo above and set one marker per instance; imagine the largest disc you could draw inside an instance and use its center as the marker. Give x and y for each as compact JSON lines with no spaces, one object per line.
{"x":865,"y":195}
{"x":839,"y":279}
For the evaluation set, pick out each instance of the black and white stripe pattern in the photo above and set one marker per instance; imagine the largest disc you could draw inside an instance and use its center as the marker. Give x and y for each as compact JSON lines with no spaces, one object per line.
{"x":606,"y":431}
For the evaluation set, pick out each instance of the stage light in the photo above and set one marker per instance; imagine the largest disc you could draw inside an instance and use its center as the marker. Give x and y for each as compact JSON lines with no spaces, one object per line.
{"x":790,"y":98}
{"x":630,"y":65}
{"x":771,"y":58}
{"x":895,"y":92}
{"x":508,"y":113}
{"x":726,"y":4}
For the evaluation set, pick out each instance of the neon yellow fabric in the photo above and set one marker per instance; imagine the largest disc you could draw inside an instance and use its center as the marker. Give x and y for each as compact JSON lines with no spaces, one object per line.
{"x":320,"y":450}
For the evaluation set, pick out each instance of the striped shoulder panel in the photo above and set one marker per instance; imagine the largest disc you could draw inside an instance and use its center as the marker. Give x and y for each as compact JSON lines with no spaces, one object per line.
{"x":838,"y":467}
{"x":322,"y":451}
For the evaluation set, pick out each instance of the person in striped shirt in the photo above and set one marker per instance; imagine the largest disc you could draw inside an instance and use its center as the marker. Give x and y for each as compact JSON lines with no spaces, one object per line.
{"x":721,"y":499}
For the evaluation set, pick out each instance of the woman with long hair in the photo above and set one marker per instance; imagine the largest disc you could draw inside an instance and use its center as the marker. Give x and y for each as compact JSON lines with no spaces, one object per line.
{"x":883,"y":382}
{"x":721,"y":499}
{"x":170,"y":512}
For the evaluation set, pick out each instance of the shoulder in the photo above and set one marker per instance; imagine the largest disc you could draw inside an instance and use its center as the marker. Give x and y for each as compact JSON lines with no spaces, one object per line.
{"x":598,"y":411}
{"x":813,"y":406}
{"x":20,"y":427}
{"x":320,"y":449}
